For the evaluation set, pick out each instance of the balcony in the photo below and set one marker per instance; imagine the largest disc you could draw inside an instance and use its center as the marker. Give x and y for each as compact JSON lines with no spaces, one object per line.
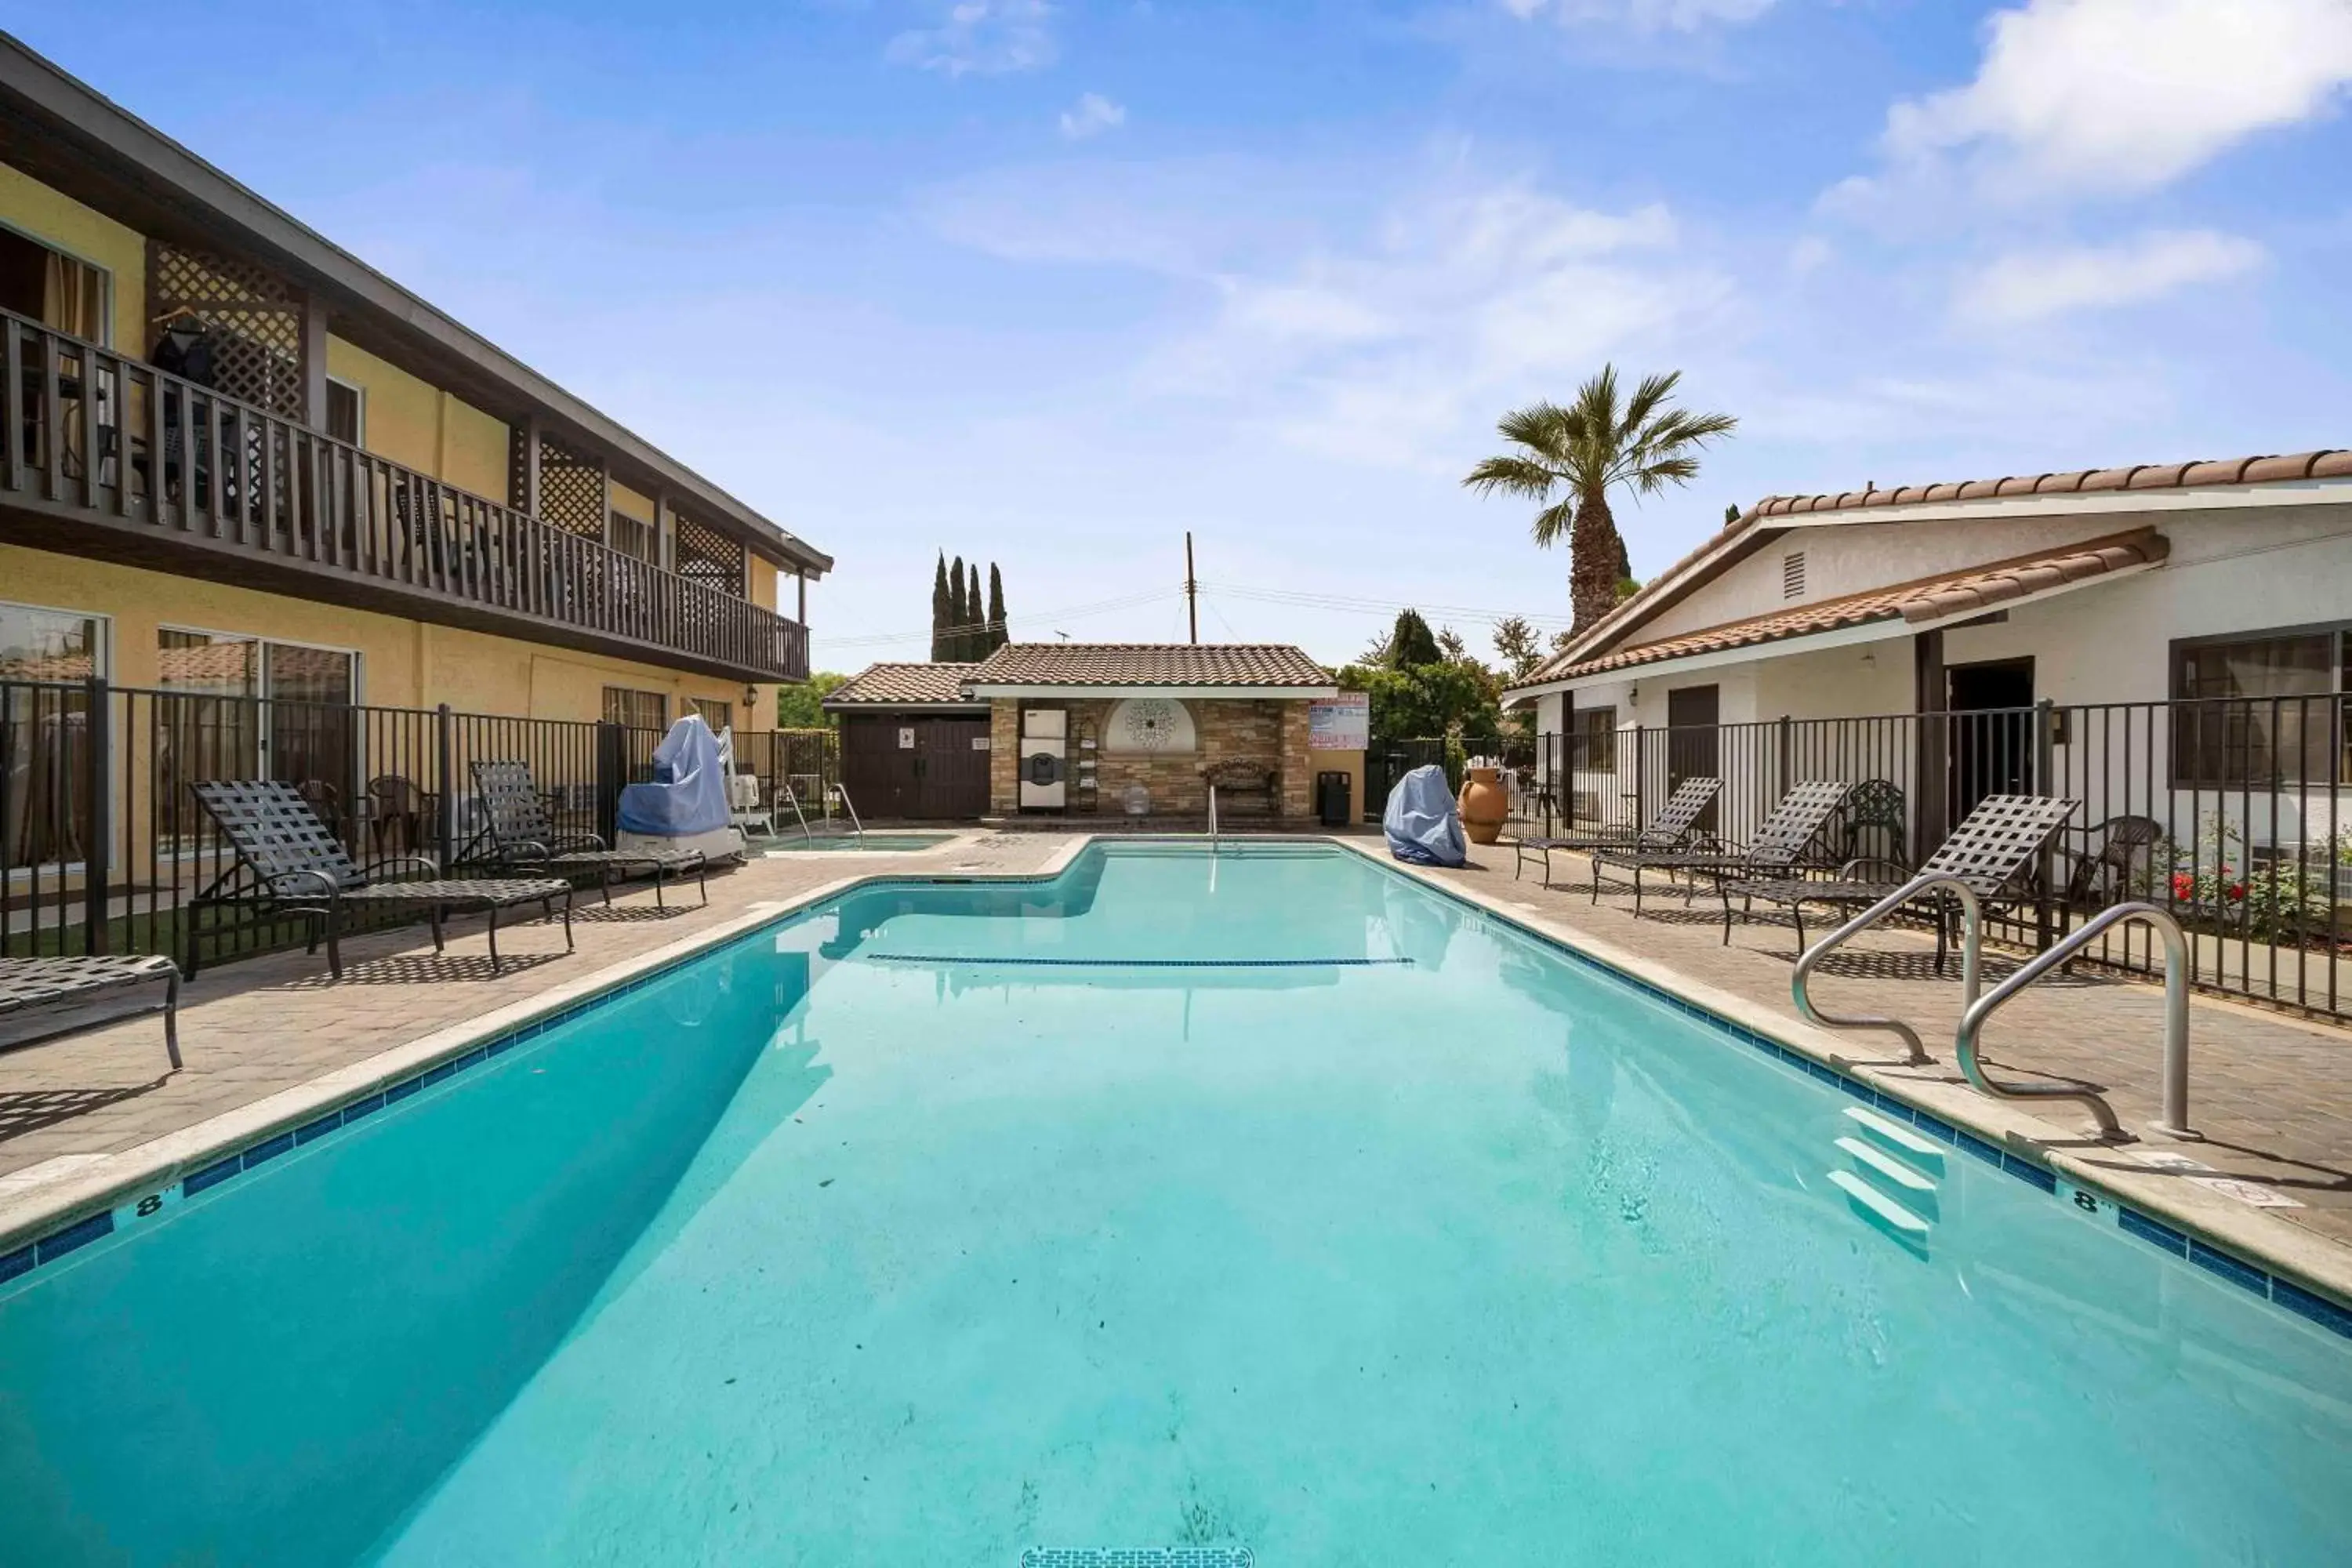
{"x":106,"y":455}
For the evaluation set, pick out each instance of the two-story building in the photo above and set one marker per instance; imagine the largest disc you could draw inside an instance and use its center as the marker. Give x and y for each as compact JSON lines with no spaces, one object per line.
{"x":239,"y":460}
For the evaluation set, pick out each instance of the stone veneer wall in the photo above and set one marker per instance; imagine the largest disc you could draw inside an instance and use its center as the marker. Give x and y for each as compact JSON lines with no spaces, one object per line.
{"x":1229,"y":730}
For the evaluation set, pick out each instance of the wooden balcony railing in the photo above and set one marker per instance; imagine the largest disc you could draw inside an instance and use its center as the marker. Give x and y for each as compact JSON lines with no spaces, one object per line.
{"x":97,"y":436}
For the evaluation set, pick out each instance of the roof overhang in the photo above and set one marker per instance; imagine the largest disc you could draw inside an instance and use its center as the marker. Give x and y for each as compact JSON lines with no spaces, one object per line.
{"x":972,"y":707}
{"x":1269,"y":692}
{"x":1889,"y":629}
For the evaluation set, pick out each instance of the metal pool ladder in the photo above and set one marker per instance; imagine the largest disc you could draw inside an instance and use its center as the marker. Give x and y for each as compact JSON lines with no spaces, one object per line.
{"x":1213,"y":819}
{"x":1975,"y":1008}
{"x":841,"y":792}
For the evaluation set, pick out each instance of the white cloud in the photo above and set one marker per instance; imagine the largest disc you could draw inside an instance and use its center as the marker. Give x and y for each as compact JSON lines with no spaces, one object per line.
{"x":2033,"y":286}
{"x":982,"y":38}
{"x":1642,"y":15}
{"x":2119,"y":95}
{"x":1092,"y":114}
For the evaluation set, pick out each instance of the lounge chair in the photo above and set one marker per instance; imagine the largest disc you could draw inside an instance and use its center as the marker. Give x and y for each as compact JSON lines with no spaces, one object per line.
{"x":290,"y":863}
{"x":1785,"y":835}
{"x":26,"y":983}
{"x":1670,"y":829}
{"x":1994,"y":852}
{"x":520,"y":834}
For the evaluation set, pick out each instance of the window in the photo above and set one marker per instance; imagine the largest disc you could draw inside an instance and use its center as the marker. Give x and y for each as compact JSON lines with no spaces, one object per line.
{"x":2251,"y":712}
{"x":1592,"y":739}
{"x":52,"y":287}
{"x":718,"y":715}
{"x":346,"y":412}
{"x":636,"y":538}
{"x":44,"y":731}
{"x":634,"y":710}
{"x":250,"y":708}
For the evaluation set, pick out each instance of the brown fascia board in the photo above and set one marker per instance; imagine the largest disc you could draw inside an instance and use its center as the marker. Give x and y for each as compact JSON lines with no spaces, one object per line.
{"x":87,"y":145}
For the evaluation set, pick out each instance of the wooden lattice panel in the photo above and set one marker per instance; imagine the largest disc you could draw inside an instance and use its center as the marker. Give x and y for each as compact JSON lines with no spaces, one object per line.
{"x":571,"y":489}
{"x":254,"y":321}
{"x":706,"y":555}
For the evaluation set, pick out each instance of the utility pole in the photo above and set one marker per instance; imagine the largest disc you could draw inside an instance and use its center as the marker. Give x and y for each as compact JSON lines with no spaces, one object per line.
{"x":1192,"y":590}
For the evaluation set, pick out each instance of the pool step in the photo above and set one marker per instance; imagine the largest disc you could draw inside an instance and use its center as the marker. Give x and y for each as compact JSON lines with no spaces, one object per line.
{"x":1916,"y":1148}
{"x":1893,"y":1177}
{"x":1881,"y":1210}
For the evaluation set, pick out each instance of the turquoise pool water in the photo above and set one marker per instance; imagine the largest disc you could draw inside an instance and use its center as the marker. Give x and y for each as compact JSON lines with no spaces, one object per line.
{"x":872,"y":843}
{"x":871,"y":1239}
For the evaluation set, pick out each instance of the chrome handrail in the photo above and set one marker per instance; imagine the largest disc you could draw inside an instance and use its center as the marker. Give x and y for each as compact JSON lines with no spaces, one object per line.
{"x":2176,"y":1022}
{"x":1212,"y":817}
{"x":784,"y":783}
{"x":842,"y":793}
{"x":1971,"y":957}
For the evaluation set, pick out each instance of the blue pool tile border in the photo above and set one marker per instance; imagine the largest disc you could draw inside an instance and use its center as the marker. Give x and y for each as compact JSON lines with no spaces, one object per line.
{"x":2285,"y":1293}
{"x":2252,"y":1278}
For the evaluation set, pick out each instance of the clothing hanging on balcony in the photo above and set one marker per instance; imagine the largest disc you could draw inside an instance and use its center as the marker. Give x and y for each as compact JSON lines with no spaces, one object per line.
{"x":185,"y":349}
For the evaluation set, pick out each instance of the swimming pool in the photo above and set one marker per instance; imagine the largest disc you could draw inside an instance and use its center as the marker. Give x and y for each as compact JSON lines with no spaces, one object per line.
{"x":871,"y":843}
{"x":1270,"y":1201}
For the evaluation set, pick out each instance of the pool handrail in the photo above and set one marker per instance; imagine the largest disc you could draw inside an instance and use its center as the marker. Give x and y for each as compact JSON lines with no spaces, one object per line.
{"x":1972,"y":958}
{"x":840,"y":791}
{"x":1212,"y":817}
{"x":784,"y":783}
{"x":2176,"y":1022}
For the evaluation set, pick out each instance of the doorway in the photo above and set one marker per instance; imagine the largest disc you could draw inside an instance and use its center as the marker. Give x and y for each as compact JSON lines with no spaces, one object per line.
{"x":1694,"y":744}
{"x":1992,"y":721}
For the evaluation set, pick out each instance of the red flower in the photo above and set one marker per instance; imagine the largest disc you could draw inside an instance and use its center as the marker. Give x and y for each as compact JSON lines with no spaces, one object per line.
{"x":2184,"y":886}
{"x":2236,"y":891}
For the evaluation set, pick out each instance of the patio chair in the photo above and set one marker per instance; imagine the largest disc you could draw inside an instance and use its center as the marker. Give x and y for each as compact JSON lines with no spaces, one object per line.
{"x":1670,"y":829}
{"x":27,"y":983}
{"x":1779,"y":842}
{"x":1993,"y":851}
{"x":397,"y":806}
{"x":520,"y":834}
{"x":1876,"y":806}
{"x":2104,"y":877}
{"x":290,"y":863}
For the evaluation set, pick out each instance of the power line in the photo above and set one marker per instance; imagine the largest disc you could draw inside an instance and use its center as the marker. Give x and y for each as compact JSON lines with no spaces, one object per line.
{"x":1073,"y":611}
{"x":1342,"y":601}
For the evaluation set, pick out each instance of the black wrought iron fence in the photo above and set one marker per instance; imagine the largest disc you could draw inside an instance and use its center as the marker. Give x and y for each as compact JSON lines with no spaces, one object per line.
{"x":2230,"y":812}
{"x":103,"y":848}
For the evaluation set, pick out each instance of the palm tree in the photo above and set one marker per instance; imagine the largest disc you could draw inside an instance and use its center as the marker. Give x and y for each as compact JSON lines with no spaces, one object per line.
{"x":1587,"y":449}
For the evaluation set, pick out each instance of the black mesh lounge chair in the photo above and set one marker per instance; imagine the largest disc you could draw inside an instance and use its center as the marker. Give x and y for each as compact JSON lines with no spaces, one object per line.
{"x":1670,"y":829}
{"x":1994,"y":852}
{"x":30,"y":983}
{"x":290,"y":863}
{"x":521,"y":834}
{"x":1782,"y":838}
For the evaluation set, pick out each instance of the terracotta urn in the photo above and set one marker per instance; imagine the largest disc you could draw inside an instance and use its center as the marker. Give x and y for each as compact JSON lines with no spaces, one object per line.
{"x":1483,"y":805}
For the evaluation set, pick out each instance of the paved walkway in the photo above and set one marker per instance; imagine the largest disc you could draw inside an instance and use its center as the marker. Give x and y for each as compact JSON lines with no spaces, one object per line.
{"x":252,"y":1028}
{"x":2271,"y":1093}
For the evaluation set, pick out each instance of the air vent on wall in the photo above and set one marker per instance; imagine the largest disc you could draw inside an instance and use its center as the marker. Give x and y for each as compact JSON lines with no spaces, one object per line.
{"x":1792,"y":575}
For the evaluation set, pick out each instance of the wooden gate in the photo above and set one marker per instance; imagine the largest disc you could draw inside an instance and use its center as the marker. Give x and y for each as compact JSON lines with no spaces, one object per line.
{"x":952,"y":772}
{"x":917,"y":766}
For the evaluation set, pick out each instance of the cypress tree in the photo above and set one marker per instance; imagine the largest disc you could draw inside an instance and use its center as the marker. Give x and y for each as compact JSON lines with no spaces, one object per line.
{"x":998,"y":634}
{"x":939,"y":609}
{"x":958,"y":640}
{"x":975,"y":640}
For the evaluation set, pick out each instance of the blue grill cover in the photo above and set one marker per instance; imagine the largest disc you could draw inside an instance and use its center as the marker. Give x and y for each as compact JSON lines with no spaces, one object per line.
{"x":1421,"y":821}
{"x":689,"y":793}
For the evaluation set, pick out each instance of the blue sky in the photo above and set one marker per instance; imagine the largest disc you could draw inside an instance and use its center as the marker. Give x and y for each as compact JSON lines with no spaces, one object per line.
{"x":1052,"y":283}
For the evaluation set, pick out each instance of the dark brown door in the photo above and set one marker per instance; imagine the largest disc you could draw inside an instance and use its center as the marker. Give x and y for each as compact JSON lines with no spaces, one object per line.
{"x":1992,"y":731}
{"x":1694,"y":744}
{"x":952,"y":772}
{"x":877,"y":771}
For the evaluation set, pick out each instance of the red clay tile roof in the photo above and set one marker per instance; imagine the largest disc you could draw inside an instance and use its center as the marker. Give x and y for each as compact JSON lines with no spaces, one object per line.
{"x":1149,"y":664}
{"x":2333,"y":463}
{"x":900,"y":685}
{"x":1969,"y":591}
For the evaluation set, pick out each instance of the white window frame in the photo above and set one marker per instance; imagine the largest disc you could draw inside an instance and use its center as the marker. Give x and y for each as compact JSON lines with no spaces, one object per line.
{"x":104,"y":661}
{"x":105,"y":339}
{"x":359,"y":392}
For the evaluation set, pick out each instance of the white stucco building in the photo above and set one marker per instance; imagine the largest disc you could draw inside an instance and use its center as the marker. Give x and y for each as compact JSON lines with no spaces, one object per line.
{"x":2217,"y":596}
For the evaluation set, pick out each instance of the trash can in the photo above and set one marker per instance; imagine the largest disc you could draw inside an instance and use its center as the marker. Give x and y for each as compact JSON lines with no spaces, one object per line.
{"x":1332,"y":799}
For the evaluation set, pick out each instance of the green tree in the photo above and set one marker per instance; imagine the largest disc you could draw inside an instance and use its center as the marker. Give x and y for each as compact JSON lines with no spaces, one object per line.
{"x":797,"y":704}
{"x":1446,"y":697}
{"x":999,"y":633}
{"x":975,"y":609}
{"x":1411,"y":643}
{"x":1518,"y":642}
{"x":956,"y":616}
{"x":940,"y":612}
{"x":1595,"y":444}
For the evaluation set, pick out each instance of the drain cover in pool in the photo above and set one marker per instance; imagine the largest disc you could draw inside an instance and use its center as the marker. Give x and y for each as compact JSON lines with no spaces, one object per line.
{"x":1137,"y":1557}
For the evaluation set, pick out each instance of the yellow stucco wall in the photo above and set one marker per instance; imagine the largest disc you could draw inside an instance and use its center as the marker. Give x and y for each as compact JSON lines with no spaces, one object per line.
{"x":403,"y":663}
{"x":64,"y":224}
{"x":634,"y":504}
{"x":413,"y":422}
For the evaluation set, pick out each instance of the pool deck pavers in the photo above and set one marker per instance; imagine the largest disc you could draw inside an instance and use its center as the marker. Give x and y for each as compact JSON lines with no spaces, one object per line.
{"x":2272,"y":1092}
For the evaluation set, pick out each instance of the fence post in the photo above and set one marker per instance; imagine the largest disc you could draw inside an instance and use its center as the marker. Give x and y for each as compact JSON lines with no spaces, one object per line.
{"x":97,"y":852}
{"x":1782,"y":743}
{"x":445,"y":749}
{"x":2045,"y":737}
{"x":1641,"y":779}
{"x":611,"y":768}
